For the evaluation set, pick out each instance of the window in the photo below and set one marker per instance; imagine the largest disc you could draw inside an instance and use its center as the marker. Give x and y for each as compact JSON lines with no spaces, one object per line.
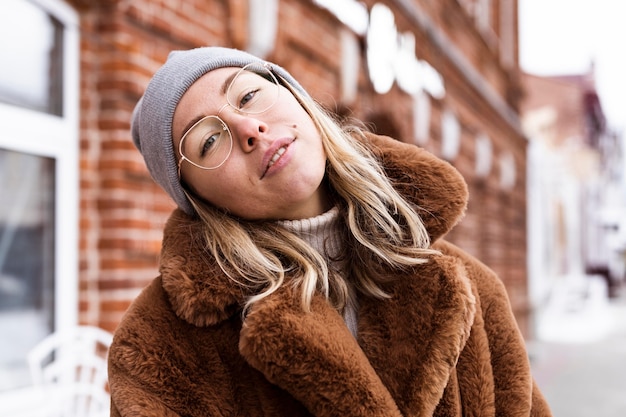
{"x":34,"y":51}
{"x":38,"y":178}
{"x":421,"y":117}
{"x":508,"y":29}
{"x":450,"y":135}
{"x":484,"y":155}
{"x":482,"y":10}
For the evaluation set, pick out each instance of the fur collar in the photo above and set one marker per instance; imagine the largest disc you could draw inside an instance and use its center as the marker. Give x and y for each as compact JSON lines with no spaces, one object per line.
{"x":202,"y":295}
{"x":401,"y":363}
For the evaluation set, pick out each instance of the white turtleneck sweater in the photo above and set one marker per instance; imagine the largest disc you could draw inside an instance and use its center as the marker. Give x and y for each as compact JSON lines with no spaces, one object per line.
{"x":323,"y":234}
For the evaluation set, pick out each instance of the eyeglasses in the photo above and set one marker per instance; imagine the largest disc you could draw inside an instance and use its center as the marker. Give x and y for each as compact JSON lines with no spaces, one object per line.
{"x":208,"y":143}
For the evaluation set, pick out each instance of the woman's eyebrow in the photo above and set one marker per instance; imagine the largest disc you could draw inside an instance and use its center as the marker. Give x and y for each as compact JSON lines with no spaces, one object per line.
{"x":228,"y":81}
{"x":191,"y":123}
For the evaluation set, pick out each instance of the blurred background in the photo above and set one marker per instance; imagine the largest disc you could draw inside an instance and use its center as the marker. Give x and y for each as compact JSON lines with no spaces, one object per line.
{"x":525,"y":98}
{"x":580,"y":342}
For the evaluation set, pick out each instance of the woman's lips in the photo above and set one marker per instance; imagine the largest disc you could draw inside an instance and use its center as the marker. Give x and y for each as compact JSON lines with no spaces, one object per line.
{"x":274,"y":154}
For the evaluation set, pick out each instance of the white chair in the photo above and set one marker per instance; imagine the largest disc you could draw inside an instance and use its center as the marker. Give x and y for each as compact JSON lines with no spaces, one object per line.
{"x":70,"y":367}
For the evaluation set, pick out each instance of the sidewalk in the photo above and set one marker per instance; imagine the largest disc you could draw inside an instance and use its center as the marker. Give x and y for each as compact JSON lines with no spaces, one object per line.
{"x":579,"y":355}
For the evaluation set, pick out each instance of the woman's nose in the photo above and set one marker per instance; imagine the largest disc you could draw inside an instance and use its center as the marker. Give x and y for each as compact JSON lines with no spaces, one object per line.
{"x":247,"y":130}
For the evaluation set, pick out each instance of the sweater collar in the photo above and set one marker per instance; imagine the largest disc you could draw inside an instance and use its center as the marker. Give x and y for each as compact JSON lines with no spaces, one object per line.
{"x":321,"y":232}
{"x":203,"y":295}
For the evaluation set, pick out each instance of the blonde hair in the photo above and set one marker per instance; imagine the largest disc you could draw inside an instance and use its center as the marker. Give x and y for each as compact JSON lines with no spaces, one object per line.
{"x":382,"y":230}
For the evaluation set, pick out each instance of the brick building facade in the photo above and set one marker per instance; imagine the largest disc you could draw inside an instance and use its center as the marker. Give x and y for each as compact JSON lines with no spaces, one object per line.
{"x":468,"y":46}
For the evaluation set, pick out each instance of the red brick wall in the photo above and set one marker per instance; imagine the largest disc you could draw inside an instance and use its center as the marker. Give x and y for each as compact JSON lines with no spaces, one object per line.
{"x":123,"y":211}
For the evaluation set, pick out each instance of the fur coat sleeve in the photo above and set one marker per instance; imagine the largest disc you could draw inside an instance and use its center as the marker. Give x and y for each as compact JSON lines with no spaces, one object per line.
{"x":444,"y":344}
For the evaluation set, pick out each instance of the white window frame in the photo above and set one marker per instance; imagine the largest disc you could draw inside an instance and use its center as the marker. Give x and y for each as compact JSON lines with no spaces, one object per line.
{"x":46,"y":135}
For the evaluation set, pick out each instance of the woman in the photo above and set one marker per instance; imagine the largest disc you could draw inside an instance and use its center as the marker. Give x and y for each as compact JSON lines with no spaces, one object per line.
{"x":304,"y":272}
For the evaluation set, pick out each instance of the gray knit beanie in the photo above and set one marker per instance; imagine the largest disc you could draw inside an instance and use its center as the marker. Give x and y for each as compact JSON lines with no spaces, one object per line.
{"x":154,"y":113}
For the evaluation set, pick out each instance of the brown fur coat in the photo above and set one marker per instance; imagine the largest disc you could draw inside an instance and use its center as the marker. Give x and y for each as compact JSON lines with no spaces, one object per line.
{"x":444,"y":344}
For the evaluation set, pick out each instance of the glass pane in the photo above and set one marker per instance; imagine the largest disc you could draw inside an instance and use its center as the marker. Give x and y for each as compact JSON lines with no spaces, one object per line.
{"x":26,"y":260}
{"x":31,"y":50}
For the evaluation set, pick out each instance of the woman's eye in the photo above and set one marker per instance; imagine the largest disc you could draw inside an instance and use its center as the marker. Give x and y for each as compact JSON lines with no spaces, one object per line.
{"x":247,"y":98}
{"x":208,"y":143}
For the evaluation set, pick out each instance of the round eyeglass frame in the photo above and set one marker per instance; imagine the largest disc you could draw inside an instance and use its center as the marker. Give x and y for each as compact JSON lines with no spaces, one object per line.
{"x":266,"y":67}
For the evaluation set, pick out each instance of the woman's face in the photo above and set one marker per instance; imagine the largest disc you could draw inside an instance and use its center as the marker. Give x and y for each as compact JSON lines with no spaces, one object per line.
{"x":277,"y":163}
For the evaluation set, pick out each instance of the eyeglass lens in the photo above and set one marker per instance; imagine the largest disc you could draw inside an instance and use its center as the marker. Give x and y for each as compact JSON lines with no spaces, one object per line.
{"x":253,"y":90}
